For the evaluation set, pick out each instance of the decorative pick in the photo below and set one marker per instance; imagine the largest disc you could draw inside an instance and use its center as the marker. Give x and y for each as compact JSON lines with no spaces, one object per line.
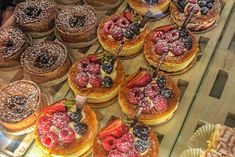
{"x":80,"y":101}
{"x":146,"y":18}
{"x":156,"y":70}
{"x":136,"y":118}
{"x":188,"y":18}
{"x":178,"y":6}
{"x":119,"y":49}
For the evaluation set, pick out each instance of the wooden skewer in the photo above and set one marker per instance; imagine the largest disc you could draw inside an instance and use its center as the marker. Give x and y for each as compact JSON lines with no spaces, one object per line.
{"x":119,"y":49}
{"x":188,"y":19}
{"x":177,"y":5}
{"x":146,"y":18}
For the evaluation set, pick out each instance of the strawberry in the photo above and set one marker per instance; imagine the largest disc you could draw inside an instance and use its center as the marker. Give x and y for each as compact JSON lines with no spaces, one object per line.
{"x":93,"y":58}
{"x":56,"y":107}
{"x":117,"y":128}
{"x":140,"y":80}
{"x":128,"y":15}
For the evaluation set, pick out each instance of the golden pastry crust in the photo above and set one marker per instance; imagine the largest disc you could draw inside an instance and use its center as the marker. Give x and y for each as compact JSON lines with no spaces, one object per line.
{"x":152,"y":118}
{"x":80,"y":146}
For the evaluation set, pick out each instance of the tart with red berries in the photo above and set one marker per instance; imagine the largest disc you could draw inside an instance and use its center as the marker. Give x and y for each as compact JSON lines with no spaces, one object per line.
{"x":119,"y":140}
{"x":158,"y":97}
{"x":122,"y":27}
{"x":66,"y":130}
{"x":180,"y":45}
{"x":98,"y":77}
{"x":157,"y":7}
{"x":206,"y":14}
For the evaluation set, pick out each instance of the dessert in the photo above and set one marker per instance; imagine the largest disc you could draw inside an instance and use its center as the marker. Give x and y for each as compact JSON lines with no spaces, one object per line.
{"x":97,"y":76}
{"x":211,"y":153}
{"x":63,"y":129}
{"x":157,"y":7}
{"x":179,"y":44}
{"x":157,"y":97}
{"x":122,"y":27}
{"x":36,"y":17}
{"x":12,"y":43}
{"x":206,"y":14}
{"x":119,"y":140}
{"x":46,"y":63}
{"x":21,"y":103}
{"x":103,"y":4}
{"x":77,"y":27}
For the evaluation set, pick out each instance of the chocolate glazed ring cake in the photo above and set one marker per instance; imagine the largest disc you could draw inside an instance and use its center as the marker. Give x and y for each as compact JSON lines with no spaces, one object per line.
{"x":46,"y":63}
{"x":36,"y":17}
{"x":76,"y":27}
{"x":21,"y":103}
{"x":12,"y":43}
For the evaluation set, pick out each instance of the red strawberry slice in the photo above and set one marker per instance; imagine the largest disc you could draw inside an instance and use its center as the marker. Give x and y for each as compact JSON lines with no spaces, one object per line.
{"x":56,"y":107}
{"x":109,"y":143}
{"x":117,"y":128}
{"x":128,"y":15}
{"x":140,"y":80}
{"x":93,"y":58}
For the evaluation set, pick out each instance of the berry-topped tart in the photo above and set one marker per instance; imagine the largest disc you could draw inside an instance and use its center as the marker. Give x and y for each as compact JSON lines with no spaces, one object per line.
{"x":122,"y":27}
{"x":66,"y":129}
{"x":179,"y":44}
{"x":21,"y":103}
{"x":206,"y":14}
{"x":36,"y":17}
{"x":98,"y":77}
{"x":76,"y":27}
{"x":156,"y":97}
{"x":46,"y":63}
{"x":117,"y":139}
{"x":159,"y":8}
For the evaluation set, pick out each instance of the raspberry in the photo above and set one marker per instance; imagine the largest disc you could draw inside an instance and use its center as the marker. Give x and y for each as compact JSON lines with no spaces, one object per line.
{"x":161,"y":46}
{"x":160,"y":104}
{"x":67,"y":135}
{"x":151,"y":90}
{"x":116,"y":153}
{"x":115,"y":18}
{"x":49,"y":140}
{"x":157,"y":35}
{"x":95,"y":81}
{"x":94,"y":68}
{"x":117,"y":34}
{"x":172,"y":35}
{"x":109,"y":143}
{"x":44,"y":124}
{"x":108,"y":27}
{"x":135,"y":95}
{"x":125,"y":143}
{"x":82,"y":79}
{"x":60,"y":119}
{"x":177,"y":48}
{"x":133,"y":153}
{"x":146,"y":104}
{"x":82,"y":66}
{"x":123,"y":22}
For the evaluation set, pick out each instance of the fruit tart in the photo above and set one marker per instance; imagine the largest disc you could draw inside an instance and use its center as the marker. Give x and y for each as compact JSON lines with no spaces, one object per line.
{"x":65,"y":129}
{"x":97,"y":76}
{"x":103,"y":4}
{"x":119,"y":140}
{"x":206,"y":14}
{"x":77,"y":26}
{"x":21,"y":103}
{"x":179,"y":44}
{"x":157,"y":7}
{"x":122,"y":27}
{"x":36,"y":17}
{"x":46,"y":63}
{"x":158,"y":97}
{"x":12,"y":43}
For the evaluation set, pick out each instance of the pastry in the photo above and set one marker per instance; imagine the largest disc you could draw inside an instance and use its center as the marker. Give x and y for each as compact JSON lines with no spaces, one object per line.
{"x":157,"y":7}
{"x":180,"y":44}
{"x":121,"y":27}
{"x":98,"y":77}
{"x":12,"y":43}
{"x":211,"y":153}
{"x":77,"y":26}
{"x":119,"y":140}
{"x":46,"y":62}
{"x":206,"y":14}
{"x":158,"y":97}
{"x":63,"y":129}
{"x":21,"y":103}
{"x":36,"y":17}
{"x":103,"y":4}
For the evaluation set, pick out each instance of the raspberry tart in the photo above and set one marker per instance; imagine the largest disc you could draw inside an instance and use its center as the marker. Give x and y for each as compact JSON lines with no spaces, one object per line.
{"x":103,"y":4}
{"x":119,"y":140}
{"x":206,"y":14}
{"x":98,"y":77}
{"x":158,"y":97}
{"x":21,"y":103}
{"x":36,"y":17}
{"x":76,"y":27}
{"x":12,"y":43}
{"x":181,"y":45}
{"x":122,"y":27}
{"x":66,"y":130}
{"x":46,"y":63}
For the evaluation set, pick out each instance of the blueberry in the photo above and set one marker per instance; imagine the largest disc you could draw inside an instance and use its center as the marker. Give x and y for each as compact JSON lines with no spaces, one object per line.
{"x":33,"y":12}
{"x":209,"y":5}
{"x":76,"y":117}
{"x":129,"y":34}
{"x":204,"y":10}
{"x":187,"y":40}
{"x":141,"y":145}
{"x":80,"y":128}
{"x":135,"y":28}
{"x":161,"y":81}
{"x":202,"y":3}
{"x":141,"y":132}
{"x":77,"y":21}
{"x":166,"y":93}
{"x":107,"y":67}
{"x":107,"y":81}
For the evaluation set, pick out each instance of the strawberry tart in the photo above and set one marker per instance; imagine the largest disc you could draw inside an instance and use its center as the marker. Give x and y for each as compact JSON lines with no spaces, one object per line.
{"x":158,"y":97}
{"x":66,"y":130}
{"x":98,"y":77}
{"x":122,"y":27}
{"x":119,"y":140}
{"x":206,"y":14}
{"x":179,"y":44}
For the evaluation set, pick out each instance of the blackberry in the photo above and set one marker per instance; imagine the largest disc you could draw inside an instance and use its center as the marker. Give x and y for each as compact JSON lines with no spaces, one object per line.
{"x":182,"y":4}
{"x":202,"y":3}
{"x":33,"y":12}
{"x":187,"y":40}
{"x":151,"y":1}
{"x":107,"y":67}
{"x":166,"y":93}
{"x":209,"y":5}
{"x":183,"y":32}
{"x":204,"y":10}
{"x":161,"y":81}
{"x":135,"y":28}
{"x":80,"y":128}
{"x":141,"y":145}
{"x":44,"y":60}
{"x":107,"y":81}
{"x":77,"y":21}
{"x":141,"y":132}
{"x":129,"y":34}
{"x":76,"y":117}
